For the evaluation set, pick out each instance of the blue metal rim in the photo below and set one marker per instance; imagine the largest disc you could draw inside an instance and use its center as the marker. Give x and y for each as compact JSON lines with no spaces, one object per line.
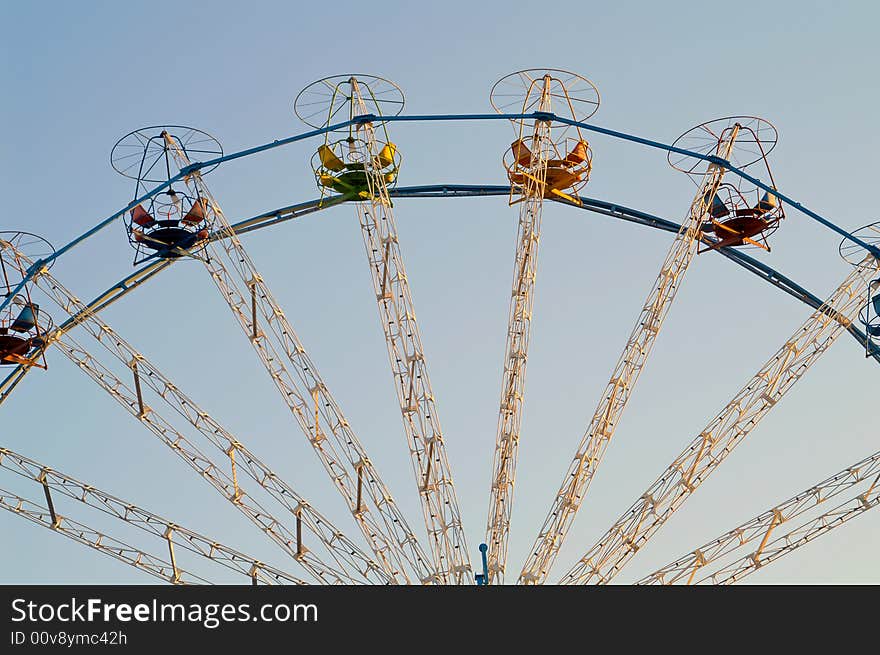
{"x":614,"y":210}
{"x":874,"y":250}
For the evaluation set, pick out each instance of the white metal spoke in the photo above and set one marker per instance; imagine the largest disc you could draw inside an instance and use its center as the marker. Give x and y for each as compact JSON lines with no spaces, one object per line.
{"x":81,"y":533}
{"x":201,"y":463}
{"x":513,"y":382}
{"x":623,"y":380}
{"x":409,"y":367}
{"x":541,"y":163}
{"x":346,"y":555}
{"x":519,"y":324}
{"x":691,"y":468}
{"x":697,"y":566}
{"x":172,"y":533}
{"x":800,"y":536}
{"x":307,"y":396}
{"x":123,"y":287}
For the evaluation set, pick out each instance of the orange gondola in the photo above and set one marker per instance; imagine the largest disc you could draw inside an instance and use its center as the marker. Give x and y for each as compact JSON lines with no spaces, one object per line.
{"x":734,"y":222}
{"x":562,"y":175}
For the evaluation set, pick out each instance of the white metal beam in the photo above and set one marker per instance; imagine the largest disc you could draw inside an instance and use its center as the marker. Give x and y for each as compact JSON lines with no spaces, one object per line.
{"x":754,"y":401}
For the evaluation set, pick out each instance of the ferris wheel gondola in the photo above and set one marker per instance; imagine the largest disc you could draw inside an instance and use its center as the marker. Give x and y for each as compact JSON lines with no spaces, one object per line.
{"x":174,"y":222}
{"x":23,"y":325}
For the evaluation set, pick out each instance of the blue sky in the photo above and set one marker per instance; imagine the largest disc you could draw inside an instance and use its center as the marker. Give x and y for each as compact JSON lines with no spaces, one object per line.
{"x":77,"y":76}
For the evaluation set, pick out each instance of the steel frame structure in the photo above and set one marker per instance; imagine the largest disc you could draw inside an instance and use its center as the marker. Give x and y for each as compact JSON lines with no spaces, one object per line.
{"x":81,"y":533}
{"x":406,"y":355}
{"x":721,"y":550}
{"x":516,"y":349}
{"x":403,"y":340}
{"x":536,"y":141}
{"x":135,"y":399}
{"x":516,"y":353}
{"x":624,"y":377}
{"x":309,"y":400}
{"x":727,"y":430}
{"x":170,"y":532}
{"x":398,"y":553}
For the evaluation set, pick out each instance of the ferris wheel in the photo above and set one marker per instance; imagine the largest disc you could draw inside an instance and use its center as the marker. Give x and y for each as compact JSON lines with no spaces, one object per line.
{"x":174,"y":217}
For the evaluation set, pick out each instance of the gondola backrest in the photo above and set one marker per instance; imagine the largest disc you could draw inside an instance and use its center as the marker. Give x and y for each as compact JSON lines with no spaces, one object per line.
{"x":27,"y":318}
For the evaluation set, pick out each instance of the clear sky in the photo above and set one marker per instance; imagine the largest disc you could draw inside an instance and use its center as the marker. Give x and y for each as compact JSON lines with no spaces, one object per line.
{"x":75,"y":77}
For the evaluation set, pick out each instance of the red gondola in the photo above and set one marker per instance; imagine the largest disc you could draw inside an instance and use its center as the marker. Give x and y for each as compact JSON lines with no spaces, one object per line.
{"x":736,"y":222}
{"x":173,"y":223}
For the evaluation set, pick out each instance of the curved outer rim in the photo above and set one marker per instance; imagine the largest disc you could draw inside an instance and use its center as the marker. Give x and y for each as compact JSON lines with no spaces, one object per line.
{"x":203,"y":171}
{"x":853,"y":253}
{"x":701,"y":166}
{"x":342,"y":78}
{"x":611,"y":209}
{"x":544,"y":71}
{"x":50,"y":247}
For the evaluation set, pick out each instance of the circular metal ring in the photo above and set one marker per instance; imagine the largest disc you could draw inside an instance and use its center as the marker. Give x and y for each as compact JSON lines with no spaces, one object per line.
{"x":558,"y":91}
{"x":141,"y":154}
{"x":755,"y":139}
{"x":330,"y":100}
{"x":33,"y":247}
{"x":853,"y":253}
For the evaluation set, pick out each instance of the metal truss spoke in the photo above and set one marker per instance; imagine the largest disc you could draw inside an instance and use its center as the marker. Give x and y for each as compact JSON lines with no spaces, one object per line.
{"x":306,"y":395}
{"x":623,"y":380}
{"x":133,"y":401}
{"x":81,"y":533}
{"x":212,"y":472}
{"x":800,"y":536}
{"x":351,"y":565}
{"x":173,"y":534}
{"x":110,"y":296}
{"x":510,"y":413}
{"x":697,"y":566}
{"x":134,"y":280}
{"x":519,"y":325}
{"x":409,"y":368}
{"x":691,"y":468}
